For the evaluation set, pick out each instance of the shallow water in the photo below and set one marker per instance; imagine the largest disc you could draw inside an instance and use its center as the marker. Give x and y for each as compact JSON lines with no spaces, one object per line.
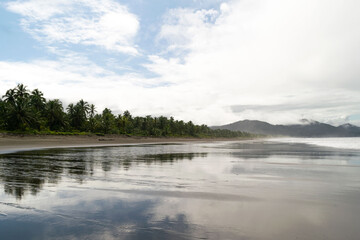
{"x":229,"y":190}
{"x":344,"y":143}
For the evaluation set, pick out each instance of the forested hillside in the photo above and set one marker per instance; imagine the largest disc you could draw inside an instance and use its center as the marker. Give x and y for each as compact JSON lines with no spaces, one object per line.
{"x":308,"y":128}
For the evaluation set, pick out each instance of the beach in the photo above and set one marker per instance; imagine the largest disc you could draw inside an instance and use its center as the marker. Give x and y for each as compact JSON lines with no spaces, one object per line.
{"x":10,"y":143}
{"x":258,"y":189}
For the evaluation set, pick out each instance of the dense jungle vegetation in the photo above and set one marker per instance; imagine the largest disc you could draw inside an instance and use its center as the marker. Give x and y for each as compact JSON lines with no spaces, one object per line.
{"x":27,"y":111}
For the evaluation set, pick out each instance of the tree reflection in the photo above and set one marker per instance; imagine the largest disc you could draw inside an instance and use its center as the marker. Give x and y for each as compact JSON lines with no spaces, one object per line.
{"x":22,"y":172}
{"x":27,"y":172}
{"x":170,"y":157}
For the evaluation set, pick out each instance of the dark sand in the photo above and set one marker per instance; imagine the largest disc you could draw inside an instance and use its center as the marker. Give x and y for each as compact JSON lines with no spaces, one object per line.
{"x":12,"y":143}
{"x":260,"y":190}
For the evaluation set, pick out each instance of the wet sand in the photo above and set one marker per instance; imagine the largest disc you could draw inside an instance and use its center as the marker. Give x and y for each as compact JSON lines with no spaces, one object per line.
{"x":254,"y":190}
{"x":260,"y":190}
{"x":11,"y":143}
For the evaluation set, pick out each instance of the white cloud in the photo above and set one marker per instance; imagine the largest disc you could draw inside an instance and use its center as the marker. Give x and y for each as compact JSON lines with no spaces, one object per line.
{"x":259,"y":53}
{"x":103,"y":23}
{"x":279,"y":60}
{"x":73,"y":78}
{"x":183,"y":25}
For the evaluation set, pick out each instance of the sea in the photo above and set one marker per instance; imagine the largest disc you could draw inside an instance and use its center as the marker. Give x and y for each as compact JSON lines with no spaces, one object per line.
{"x":273,"y":189}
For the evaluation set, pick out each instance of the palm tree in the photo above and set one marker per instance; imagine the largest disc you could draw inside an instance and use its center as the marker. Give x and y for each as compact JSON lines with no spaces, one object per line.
{"x":84,"y":108}
{"x":78,"y":114}
{"x":92,"y":112}
{"x":55,"y":114}
{"x":20,"y":116}
{"x":70,"y":109}
{"x":71,"y":112}
{"x":3,"y":110}
{"x":37,"y":100}
{"x":21,"y":92}
{"x":108,"y":120}
{"x":9,"y":96}
{"x":127,"y":114}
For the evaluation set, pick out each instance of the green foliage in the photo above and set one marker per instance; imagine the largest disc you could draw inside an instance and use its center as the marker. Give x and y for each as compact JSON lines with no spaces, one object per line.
{"x":3,"y":111}
{"x":107,"y":121}
{"x":55,"y":115}
{"x":27,"y":112}
{"x":18,"y":113}
{"x":78,"y":114}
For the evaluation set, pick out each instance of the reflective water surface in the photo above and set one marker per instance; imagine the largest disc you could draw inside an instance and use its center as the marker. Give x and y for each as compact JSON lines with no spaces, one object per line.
{"x":226,"y":190}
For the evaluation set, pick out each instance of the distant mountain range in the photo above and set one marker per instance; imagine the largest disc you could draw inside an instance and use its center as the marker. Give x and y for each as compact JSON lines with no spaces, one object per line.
{"x":308,"y":128}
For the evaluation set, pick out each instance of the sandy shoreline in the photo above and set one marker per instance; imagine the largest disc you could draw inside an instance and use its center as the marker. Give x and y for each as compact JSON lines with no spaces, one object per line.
{"x":14,"y":143}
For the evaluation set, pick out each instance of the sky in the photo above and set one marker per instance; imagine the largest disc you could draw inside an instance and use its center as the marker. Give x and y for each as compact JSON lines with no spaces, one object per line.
{"x":210,"y":61}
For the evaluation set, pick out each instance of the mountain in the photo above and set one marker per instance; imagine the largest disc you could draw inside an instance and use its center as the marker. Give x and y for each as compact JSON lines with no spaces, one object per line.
{"x":350,"y":129}
{"x":308,"y":128}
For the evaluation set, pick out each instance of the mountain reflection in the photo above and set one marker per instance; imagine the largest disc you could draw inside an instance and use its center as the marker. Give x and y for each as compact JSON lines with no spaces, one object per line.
{"x":29,"y":171}
{"x":262,"y":150}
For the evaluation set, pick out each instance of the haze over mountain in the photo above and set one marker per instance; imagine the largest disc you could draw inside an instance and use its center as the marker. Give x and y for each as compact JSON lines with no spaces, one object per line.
{"x":308,"y":128}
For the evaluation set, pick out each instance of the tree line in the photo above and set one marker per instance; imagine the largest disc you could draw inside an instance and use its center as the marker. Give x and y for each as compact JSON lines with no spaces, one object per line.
{"x":28,"y":111}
